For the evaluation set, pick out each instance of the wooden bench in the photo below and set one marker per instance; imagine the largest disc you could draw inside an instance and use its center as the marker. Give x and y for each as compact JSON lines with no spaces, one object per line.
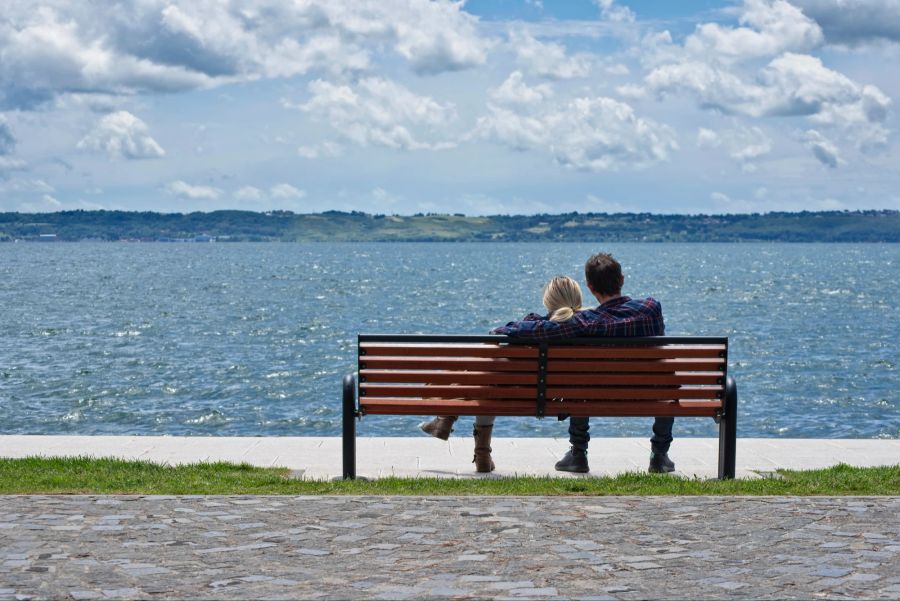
{"x":497,"y":375}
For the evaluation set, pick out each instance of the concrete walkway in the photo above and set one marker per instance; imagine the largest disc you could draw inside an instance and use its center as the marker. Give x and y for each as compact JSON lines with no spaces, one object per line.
{"x":320,"y":458}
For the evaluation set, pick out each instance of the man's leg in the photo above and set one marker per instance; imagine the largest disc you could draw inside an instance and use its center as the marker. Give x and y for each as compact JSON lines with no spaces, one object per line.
{"x":578,"y":432}
{"x":576,"y":459}
{"x":659,"y":445}
{"x":662,"y":434}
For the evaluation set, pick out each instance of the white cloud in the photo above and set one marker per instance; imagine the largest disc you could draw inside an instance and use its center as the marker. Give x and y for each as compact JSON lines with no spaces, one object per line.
{"x":790,"y":85}
{"x":610,"y":11}
{"x":154,"y":46}
{"x":707,"y":138}
{"x":822,"y":148}
{"x":589,"y":134}
{"x":433,"y":36}
{"x":122,"y":135}
{"x":188,"y":191}
{"x":713,"y":65}
{"x":286,"y":191}
{"x":631,"y":91}
{"x":380,"y":112}
{"x":27,"y":186}
{"x":10,"y":164}
{"x":774,"y":27}
{"x":515,"y":92}
{"x":323,"y":149}
{"x":617,"y":69}
{"x":248,"y":193}
{"x":854,"y":22}
{"x":743,"y":144}
{"x":547,"y":59}
{"x":45,"y":204}
{"x":748,"y":143}
{"x":47,"y":53}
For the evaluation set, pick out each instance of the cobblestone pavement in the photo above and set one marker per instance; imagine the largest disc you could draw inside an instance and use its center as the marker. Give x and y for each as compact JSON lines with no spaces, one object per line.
{"x":98,"y":547}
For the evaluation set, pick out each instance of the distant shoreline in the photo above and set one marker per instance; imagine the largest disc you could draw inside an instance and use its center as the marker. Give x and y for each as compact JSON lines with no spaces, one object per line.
{"x":355,"y":226}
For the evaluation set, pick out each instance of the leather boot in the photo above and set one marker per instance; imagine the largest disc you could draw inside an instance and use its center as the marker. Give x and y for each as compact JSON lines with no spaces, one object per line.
{"x":574,"y":461}
{"x":482,"y":460}
{"x":439,"y":427}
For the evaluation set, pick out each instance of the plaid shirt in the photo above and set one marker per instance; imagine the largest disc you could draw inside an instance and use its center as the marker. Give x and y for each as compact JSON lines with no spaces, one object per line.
{"x":622,"y":316}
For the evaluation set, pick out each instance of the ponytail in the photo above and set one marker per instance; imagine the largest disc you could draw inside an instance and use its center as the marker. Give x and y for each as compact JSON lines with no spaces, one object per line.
{"x":562,"y":314}
{"x":562,"y":297}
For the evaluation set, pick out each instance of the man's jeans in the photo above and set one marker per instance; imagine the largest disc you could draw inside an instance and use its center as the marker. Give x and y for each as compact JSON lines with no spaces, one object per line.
{"x":662,"y":433}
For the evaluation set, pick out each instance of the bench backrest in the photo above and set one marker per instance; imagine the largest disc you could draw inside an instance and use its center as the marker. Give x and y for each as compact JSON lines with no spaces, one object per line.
{"x":497,"y":375}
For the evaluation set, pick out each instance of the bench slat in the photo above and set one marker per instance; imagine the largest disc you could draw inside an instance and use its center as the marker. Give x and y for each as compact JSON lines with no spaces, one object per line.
{"x":448,"y":363}
{"x":446,"y":377}
{"x":634,"y":408}
{"x":387,"y":376}
{"x":634,"y":393}
{"x":587,"y":379}
{"x":449,"y":392}
{"x":429,"y":393}
{"x":402,"y":406}
{"x":664,"y":365}
{"x":646,"y":352}
{"x":448,"y":350}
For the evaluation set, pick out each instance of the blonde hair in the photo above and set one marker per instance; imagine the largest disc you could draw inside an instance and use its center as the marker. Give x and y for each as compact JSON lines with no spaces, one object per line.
{"x":562,"y":297}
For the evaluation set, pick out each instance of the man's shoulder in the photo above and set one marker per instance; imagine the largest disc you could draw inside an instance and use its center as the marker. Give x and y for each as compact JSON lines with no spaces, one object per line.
{"x":627,"y":304}
{"x":648,"y":303}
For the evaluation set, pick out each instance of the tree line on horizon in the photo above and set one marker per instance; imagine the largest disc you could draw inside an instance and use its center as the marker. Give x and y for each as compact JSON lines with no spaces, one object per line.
{"x":356,"y":226}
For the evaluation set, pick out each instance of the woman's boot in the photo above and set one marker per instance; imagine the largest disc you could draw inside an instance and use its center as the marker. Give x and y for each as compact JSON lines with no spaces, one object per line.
{"x":482,"y":460}
{"x":439,"y":427}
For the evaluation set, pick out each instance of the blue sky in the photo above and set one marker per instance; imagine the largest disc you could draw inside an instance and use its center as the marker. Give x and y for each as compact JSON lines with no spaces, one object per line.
{"x":486,"y":107}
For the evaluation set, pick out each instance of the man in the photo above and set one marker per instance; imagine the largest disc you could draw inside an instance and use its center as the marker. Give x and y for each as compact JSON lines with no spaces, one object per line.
{"x":616,"y":316}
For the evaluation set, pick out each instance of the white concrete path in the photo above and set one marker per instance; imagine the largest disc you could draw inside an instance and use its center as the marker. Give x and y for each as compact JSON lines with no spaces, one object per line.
{"x":320,"y":457}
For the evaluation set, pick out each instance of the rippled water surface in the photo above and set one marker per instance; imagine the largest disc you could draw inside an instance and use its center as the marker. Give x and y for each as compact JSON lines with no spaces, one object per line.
{"x":252,"y":339}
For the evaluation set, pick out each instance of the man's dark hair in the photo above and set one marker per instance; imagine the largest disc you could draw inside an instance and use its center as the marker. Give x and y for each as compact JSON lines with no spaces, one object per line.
{"x":603,"y":274}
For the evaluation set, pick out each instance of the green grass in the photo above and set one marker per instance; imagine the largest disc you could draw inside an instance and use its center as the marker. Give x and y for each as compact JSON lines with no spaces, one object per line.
{"x":81,"y":475}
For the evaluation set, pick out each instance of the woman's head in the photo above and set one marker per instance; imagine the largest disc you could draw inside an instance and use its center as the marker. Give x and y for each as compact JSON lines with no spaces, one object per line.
{"x":562,"y":297}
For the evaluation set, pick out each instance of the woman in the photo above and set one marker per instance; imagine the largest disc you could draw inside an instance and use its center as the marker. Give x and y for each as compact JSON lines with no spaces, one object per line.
{"x":562,"y":298}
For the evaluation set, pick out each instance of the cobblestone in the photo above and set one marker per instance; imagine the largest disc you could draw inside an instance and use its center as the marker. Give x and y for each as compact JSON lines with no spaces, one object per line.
{"x":448,"y":547}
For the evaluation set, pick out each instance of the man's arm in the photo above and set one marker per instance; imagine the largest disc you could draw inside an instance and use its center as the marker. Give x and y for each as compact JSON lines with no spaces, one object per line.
{"x":541,"y":329}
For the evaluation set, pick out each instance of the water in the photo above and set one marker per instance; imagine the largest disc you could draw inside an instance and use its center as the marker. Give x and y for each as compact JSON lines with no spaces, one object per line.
{"x":252,"y":339}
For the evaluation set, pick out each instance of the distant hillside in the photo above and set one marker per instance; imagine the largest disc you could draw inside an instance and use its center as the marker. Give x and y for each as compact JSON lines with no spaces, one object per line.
{"x":827,"y":226}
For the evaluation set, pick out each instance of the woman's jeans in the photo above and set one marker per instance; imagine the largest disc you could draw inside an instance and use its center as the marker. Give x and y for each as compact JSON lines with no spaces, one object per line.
{"x":659,"y":443}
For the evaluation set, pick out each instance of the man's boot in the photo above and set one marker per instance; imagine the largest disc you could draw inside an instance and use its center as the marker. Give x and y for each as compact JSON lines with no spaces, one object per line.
{"x":660,"y":464}
{"x":482,"y":460}
{"x":439,"y":427}
{"x":574,"y":461}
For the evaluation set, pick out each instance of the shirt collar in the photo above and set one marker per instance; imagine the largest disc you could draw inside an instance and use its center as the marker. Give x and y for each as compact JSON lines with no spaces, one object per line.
{"x":614,"y":302}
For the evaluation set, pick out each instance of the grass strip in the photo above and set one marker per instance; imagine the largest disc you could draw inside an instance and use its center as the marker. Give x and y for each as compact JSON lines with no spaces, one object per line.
{"x":84,"y":475}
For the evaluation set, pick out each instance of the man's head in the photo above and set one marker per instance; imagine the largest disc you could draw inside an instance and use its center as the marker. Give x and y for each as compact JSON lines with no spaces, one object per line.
{"x":604,"y":276}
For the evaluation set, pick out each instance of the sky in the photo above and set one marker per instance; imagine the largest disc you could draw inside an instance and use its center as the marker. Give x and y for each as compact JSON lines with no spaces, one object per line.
{"x":416,"y":106}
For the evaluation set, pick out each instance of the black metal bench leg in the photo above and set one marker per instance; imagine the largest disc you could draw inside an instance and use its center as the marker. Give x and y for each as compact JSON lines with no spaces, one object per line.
{"x":349,"y":427}
{"x":728,"y":432}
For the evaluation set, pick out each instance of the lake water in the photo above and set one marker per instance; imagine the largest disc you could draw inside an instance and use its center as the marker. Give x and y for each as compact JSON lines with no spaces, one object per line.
{"x":252,"y":339}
